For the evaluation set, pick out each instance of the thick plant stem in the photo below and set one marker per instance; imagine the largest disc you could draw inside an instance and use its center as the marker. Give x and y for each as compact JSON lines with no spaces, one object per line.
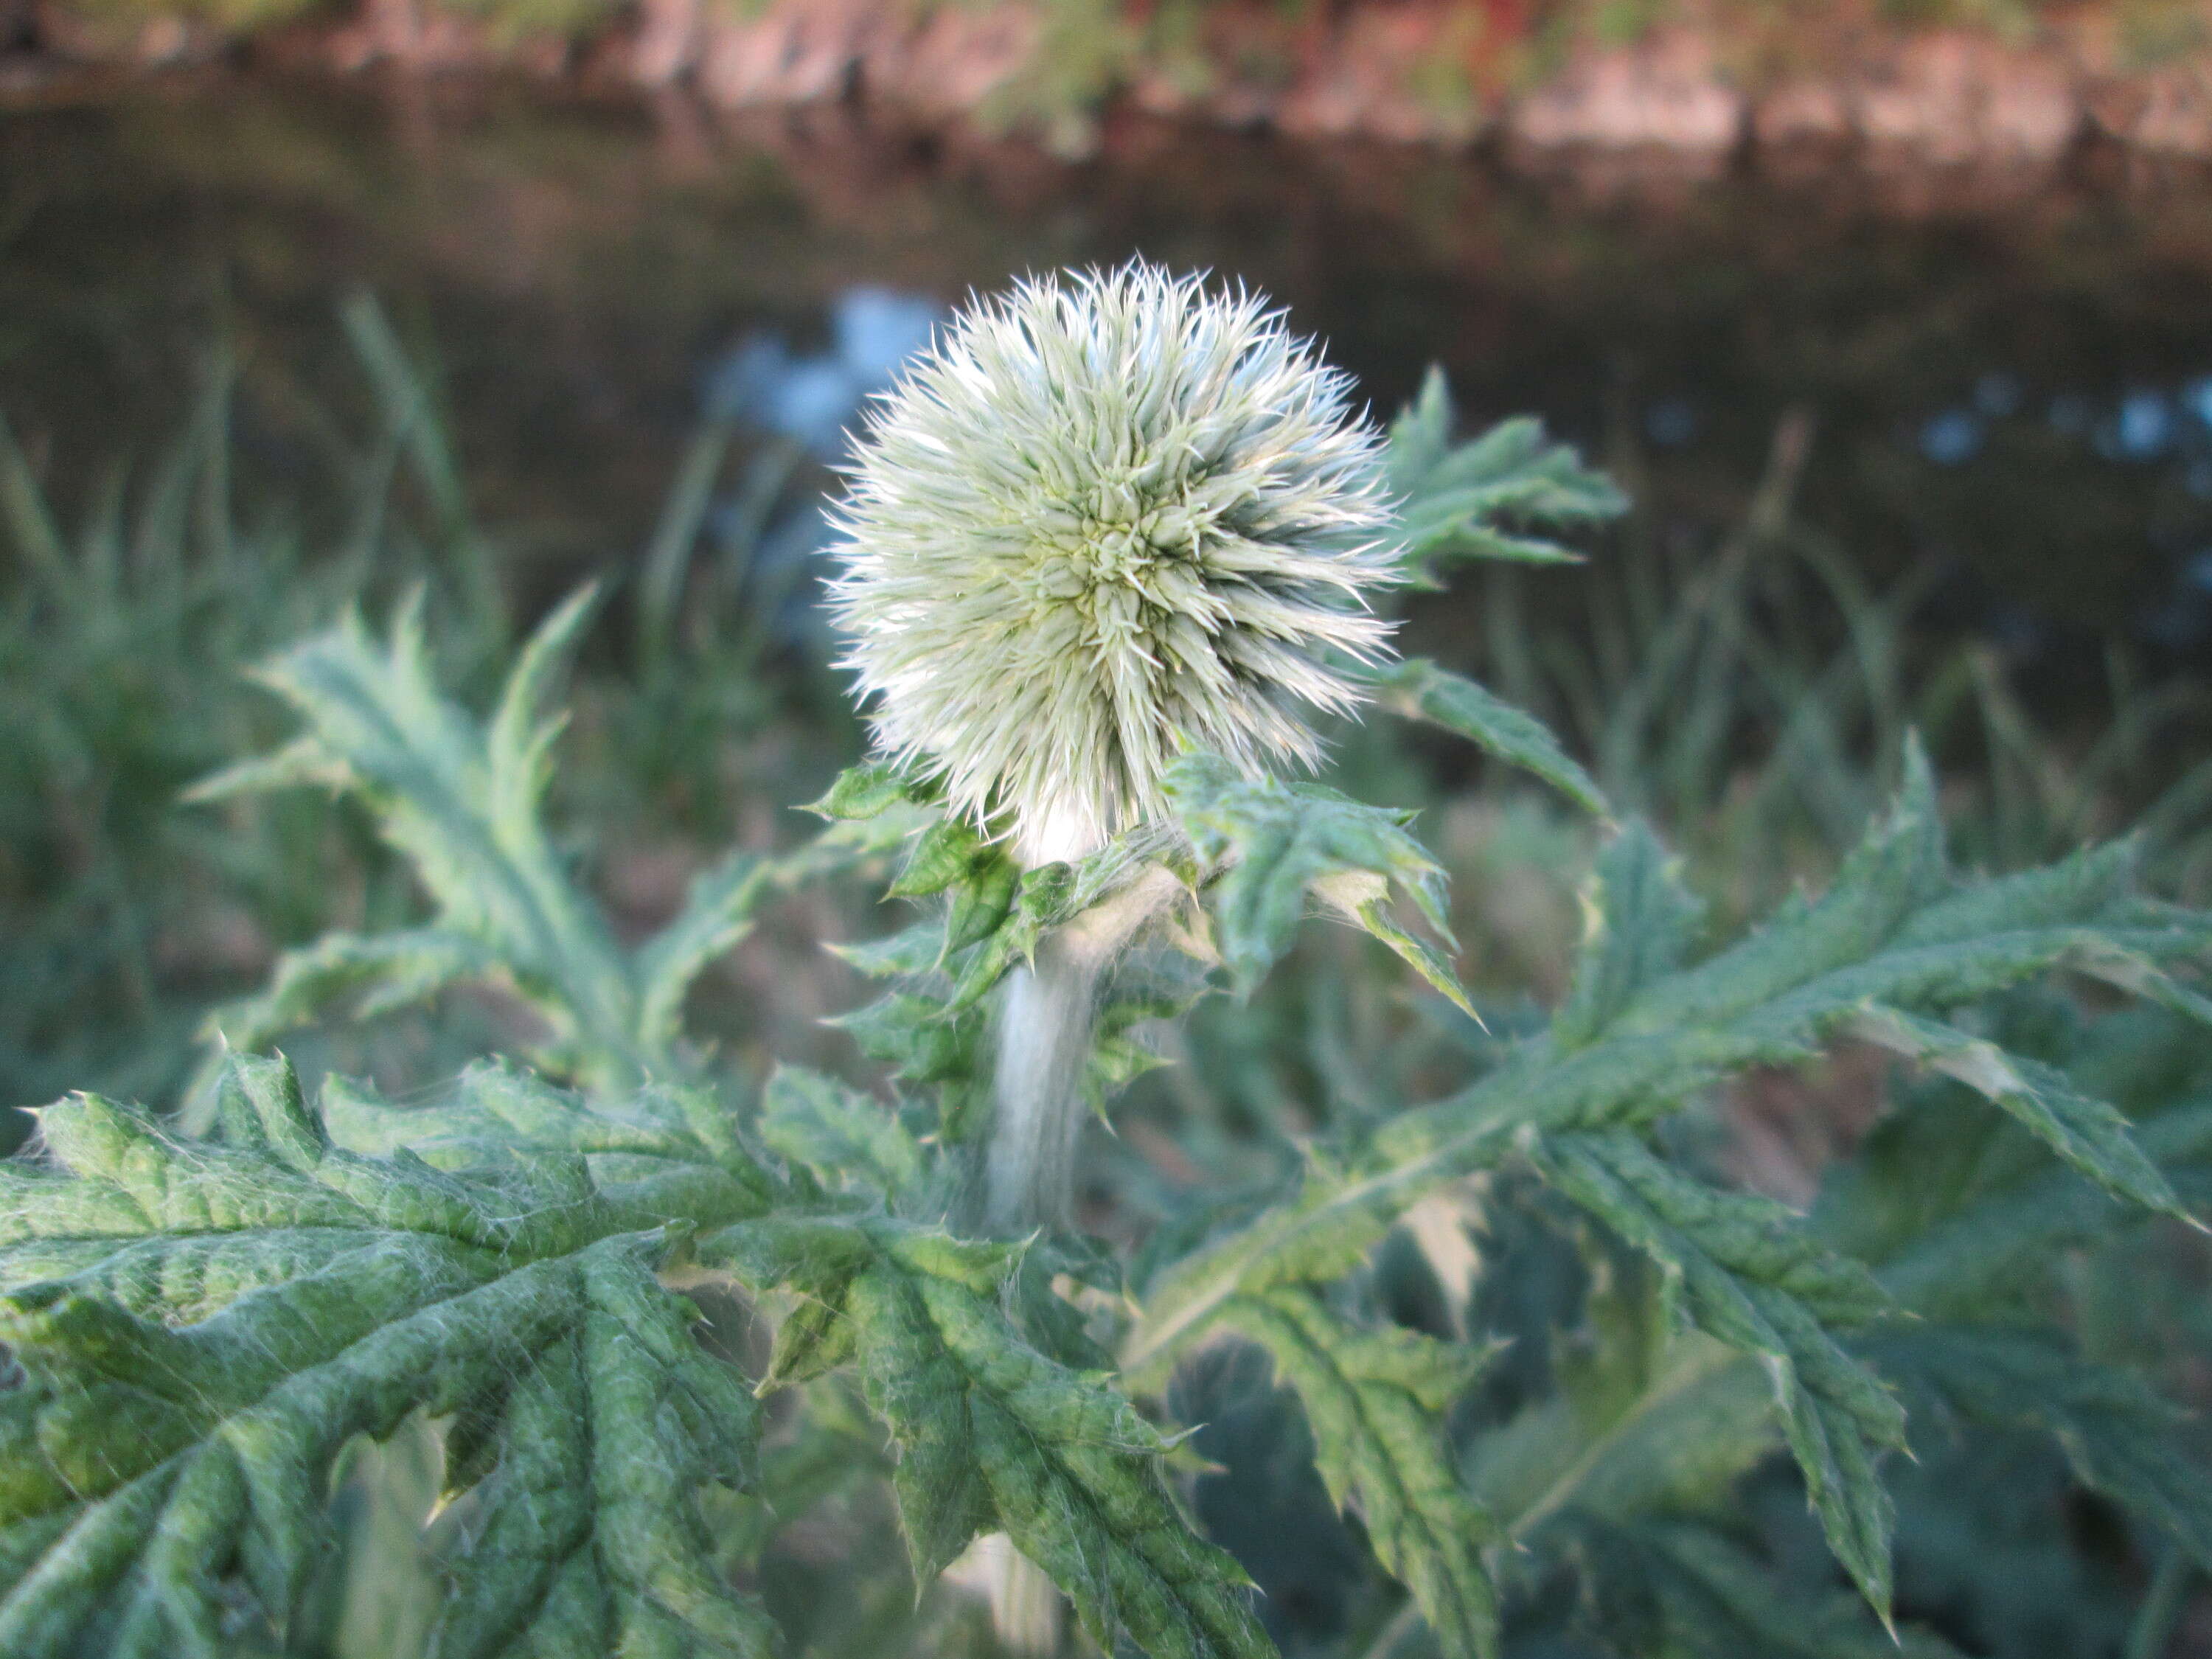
{"x":1028,"y":1181}
{"x":1044,"y":1039}
{"x":1045,"y":1017}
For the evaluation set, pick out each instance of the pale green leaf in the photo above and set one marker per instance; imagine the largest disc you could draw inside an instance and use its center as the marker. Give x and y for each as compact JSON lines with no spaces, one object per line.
{"x":368,"y":975}
{"x":461,"y":800}
{"x":843,"y":1135}
{"x":1278,"y":844}
{"x":1417,"y":689}
{"x":1505,"y":496}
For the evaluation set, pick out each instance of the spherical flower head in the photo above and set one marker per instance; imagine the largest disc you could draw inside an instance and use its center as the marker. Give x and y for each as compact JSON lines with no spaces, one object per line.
{"x":1106,"y":516}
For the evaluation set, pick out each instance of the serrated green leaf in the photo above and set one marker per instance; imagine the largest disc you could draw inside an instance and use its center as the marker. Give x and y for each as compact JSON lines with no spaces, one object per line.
{"x":2089,"y":1134}
{"x":926,"y":1045}
{"x":301,"y":764}
{"x":1502,"y":496}
{"x":912,"y":1035}
{"x":1720,"y":1604}
{"x":1891,"y":879}
{"x":948,"y":852}
{"x":1417,"y":689}
{"x":670,"y":1152}
{"x":1640,"y":925}
{"x":461,"y":801}
{"x":1322,"y":1235}
{"x":376,"y":973}
{"x":844,"y":1135}
{"x":1949,"y":1258}
{"x":994,"y":1435}
{"x":718,"y":912}
{"x":1896,"y":927}
{"x":872,"y":788}
{"x":980,"y":903}
{"x":1278,"y":843}
{"x":1631,"y":1433}
{"x":720,"y":906}
{"x":2122,"y":1437}
{"x":1754,"y":1281}
{"x":240,"y":1309}
{"x":911,"y":951}
{"x":586,"y":1538}
{"x":814,"y":1338}
{"x":1374,"y":1399}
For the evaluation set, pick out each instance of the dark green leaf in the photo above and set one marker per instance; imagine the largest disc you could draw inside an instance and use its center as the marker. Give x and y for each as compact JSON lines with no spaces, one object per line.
{"x":2122,"y":1439}
{"x":1753,"y":1279}
{"x":1374,"y":1401}
{"x":992,"y":1435}
{"x":237,"y":1312}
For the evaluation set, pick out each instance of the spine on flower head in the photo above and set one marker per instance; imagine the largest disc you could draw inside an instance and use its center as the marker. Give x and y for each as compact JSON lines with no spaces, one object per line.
{"x":1108,"y":516}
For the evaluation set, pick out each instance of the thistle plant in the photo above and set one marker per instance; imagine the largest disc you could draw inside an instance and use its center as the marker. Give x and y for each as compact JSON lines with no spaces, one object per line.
{"x":210,"y":1313}
{"x":1108,"y":519}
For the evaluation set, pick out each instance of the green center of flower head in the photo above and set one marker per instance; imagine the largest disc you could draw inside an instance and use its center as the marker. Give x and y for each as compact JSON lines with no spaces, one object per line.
{"x":1109,"y":516}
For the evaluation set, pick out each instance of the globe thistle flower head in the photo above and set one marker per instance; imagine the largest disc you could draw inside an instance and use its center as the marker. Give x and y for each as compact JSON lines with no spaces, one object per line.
{"x":1109,"y":515}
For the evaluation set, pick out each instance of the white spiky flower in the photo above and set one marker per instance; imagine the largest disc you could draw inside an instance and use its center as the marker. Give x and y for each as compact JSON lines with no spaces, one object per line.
{"x":1107,"y":514}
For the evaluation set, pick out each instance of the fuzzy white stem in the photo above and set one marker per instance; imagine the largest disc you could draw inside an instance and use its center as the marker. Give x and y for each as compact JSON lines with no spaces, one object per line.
{"x":1045,"y":1038}
{"x":1029,"y":1165}
{"x":1044,"y":1045}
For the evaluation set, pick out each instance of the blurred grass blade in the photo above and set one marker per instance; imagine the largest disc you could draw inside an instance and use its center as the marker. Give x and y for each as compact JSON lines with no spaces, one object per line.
{"x":38,"y":540}
{"x":668,"y":555}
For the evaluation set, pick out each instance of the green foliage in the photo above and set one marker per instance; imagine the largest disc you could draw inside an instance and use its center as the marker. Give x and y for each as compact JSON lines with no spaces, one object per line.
{"x":993,"y":1434}
{"x":1750,"y":1280}
{"x":1374,"y":1399}
{"x":840,"y":1134}
{"x":460,"y":801}
{"x":204,"y":1325}
{"x":1276,"y":843}
{"x":2119,"y":1433}
{"x":1555,"y":1365}
{"x":1897,"y":928}
{"x":1711,"y":1600}
{"x":1505,"y":495}
{"x":1419,"y":690}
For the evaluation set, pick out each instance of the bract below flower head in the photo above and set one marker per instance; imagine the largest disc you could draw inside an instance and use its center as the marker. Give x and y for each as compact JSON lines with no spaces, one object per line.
{"x":1106,"y":516}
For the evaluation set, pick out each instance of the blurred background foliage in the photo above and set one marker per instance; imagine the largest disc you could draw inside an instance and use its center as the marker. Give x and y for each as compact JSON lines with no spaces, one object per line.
{"x":1950,"y":474}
